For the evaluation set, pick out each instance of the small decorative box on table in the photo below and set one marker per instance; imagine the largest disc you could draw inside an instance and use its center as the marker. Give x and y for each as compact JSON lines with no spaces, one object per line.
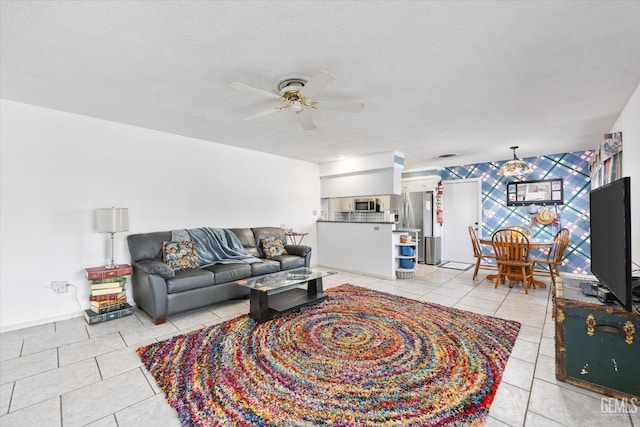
{"x":108,"y":297}
{"x":597,"y":345}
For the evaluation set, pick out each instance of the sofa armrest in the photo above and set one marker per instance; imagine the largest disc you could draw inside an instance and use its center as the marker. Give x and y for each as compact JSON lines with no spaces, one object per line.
{"x":299,"y":250}
{"x":155,"y":267}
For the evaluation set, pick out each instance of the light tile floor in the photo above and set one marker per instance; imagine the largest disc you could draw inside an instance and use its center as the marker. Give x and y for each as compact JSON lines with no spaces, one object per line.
{"x":69,"y":373}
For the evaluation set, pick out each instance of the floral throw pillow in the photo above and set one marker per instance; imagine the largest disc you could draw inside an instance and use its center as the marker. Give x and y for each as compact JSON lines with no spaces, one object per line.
{"x":180,"y":255}
{"x":272,"y":247}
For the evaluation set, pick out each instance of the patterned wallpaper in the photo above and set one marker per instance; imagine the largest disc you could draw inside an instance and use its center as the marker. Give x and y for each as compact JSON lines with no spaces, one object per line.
{"x":573,"y":168}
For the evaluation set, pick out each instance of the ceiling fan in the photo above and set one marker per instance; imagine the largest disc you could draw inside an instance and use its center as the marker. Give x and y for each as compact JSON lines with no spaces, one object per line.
{"x":298,"y":95}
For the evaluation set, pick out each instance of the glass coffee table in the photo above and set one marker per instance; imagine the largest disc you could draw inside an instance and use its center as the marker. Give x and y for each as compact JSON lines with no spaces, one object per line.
{"x":278,"y":293}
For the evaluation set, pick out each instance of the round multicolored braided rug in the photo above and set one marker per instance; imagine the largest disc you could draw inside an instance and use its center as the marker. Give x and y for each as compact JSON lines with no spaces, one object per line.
{"x":361,"y":358}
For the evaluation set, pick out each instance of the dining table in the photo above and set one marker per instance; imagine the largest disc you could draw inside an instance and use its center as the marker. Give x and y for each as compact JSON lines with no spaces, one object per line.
{"x":533,"y":244}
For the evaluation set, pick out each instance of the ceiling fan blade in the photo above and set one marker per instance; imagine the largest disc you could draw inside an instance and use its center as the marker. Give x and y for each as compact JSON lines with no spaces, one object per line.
{"x":247,"y":88}
{"x":316,"y":83}
{"x":263,"y":113}
{"x":305,"y":121}
{"x":350,"y":107}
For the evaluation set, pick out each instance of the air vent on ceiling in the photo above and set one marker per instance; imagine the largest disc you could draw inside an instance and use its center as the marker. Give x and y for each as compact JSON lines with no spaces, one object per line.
{"x":446,"y":155}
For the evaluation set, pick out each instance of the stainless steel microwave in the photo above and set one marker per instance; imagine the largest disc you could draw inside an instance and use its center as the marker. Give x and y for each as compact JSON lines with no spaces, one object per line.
{"x":365,"y":205}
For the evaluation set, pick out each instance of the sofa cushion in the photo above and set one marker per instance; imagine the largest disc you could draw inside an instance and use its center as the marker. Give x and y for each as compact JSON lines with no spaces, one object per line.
{"x":288,"y":262}
{"x":272,"y":247}
{"x":266,"y":267}
{"x":247,"y":239}
{"x":180,"y":254}
{"x":229,"y":272}
{"x":261,"y":232}
{"x":190,"y":279}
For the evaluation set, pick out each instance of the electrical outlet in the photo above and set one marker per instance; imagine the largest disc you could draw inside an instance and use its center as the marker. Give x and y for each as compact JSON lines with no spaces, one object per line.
{"x":62,"y":287}
{"x":58,"y":286}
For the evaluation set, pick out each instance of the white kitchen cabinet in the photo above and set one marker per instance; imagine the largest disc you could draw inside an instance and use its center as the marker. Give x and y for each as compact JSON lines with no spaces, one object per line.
{"x":422,"y":184}
{"x":385,"y":181}
{"x":385,"y":203}
{"x":346,"y":204}
{"x":334,"y":206}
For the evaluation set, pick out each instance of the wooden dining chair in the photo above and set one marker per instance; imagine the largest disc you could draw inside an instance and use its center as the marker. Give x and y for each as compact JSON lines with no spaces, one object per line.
{"x":478,"y":254}
{"x":512,"y":249}
{"x":523,"y":228}
{"x":555,"y":256}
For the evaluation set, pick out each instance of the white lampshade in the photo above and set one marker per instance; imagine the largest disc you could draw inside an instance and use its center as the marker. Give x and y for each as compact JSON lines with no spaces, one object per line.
{"x":112,"y":220}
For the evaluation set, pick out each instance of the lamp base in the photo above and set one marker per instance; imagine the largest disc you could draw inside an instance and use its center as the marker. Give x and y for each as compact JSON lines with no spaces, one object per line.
{"x":111,"y":264}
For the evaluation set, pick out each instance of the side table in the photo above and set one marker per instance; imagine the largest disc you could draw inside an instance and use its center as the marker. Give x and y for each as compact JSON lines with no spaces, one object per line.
{"x":296,"y":238}
{"x":107,"y":294}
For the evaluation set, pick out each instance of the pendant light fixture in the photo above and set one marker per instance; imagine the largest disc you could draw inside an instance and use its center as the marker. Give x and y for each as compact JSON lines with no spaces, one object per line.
{"x":515,"y":167}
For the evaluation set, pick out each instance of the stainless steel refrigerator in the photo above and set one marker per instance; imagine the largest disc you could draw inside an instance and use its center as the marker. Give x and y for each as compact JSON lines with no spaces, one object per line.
{"x":417,"y":212}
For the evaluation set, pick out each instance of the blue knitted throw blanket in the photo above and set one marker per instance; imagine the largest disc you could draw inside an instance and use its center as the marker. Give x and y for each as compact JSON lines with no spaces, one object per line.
{"x":215,"y":245}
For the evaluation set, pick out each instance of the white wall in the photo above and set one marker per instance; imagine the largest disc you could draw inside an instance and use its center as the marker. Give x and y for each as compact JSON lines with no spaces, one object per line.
{"x":57,"y":168}
{"x":629,"y":124}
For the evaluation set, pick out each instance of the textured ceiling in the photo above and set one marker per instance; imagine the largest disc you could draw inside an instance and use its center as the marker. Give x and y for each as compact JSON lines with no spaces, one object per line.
{"x":471,"y":78}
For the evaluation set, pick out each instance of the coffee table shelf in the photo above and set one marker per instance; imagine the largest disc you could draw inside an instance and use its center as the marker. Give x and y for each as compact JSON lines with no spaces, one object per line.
{"x":293,"y":299}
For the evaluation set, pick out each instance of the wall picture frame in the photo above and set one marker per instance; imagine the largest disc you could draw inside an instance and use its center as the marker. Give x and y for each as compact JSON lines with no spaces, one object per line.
{"x":538,"y":192}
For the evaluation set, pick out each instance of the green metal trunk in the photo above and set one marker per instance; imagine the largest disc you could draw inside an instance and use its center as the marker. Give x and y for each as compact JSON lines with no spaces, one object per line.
{"x":597,"y":345}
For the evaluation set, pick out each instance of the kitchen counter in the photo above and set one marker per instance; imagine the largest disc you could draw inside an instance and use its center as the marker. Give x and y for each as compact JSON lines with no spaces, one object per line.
{"x":357,"y":246}
{"x":357,"y":222}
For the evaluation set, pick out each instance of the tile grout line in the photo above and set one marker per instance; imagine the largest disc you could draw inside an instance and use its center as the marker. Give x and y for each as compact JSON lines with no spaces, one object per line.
{"x":535,"y":365}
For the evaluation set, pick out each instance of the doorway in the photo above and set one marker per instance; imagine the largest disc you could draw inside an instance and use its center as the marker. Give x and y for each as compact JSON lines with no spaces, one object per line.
{"x":462,"y":207}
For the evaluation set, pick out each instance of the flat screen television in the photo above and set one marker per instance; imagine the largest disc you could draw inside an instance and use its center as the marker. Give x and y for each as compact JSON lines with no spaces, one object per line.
{"x":611,"y":239}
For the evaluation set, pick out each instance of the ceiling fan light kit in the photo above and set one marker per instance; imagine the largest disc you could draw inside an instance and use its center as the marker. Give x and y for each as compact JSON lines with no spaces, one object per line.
{"x":298,"y":92}
{"x":290,"y":82}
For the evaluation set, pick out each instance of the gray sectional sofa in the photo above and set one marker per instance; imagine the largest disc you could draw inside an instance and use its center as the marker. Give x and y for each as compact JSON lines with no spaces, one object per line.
{"x":161,"y":291}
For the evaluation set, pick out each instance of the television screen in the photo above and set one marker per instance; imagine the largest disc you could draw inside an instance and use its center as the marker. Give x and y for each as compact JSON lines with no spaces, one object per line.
{"x":611,"y":238}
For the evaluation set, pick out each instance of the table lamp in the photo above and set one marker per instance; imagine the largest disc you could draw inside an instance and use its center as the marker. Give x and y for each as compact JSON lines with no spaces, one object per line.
{"x":112,"y":220}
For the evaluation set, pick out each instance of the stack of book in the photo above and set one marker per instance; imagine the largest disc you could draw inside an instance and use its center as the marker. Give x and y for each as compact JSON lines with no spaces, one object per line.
{"x":108,"y":297}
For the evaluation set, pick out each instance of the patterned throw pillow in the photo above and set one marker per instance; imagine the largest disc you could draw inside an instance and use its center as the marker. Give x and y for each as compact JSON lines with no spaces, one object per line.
{"x":272,"y":247}
{"x":180,"y":255}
